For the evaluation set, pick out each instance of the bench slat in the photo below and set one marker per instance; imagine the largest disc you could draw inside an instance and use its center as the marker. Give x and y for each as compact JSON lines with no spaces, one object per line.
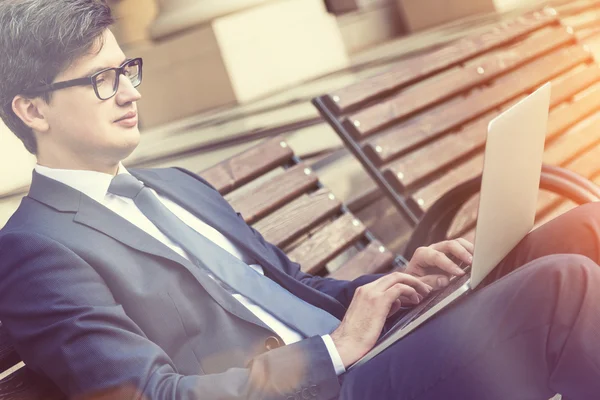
{"x":575,"y":7}
{"x":425,"y":197}
{"x":370,"y":260}
{"x":457,"y":80}
{"x":298,"y":217}
{"x":455,"y":112}
{"x":327,"y":243}
{"x":423,"y":65}
{"x":589,"y":19}
{"x":242,"y":168}
{"x":440,"y":154}
{"x":565,"y":87}
{"x":587,"y":164}
{"x":269,"y":196}
{"x":570,"y":145}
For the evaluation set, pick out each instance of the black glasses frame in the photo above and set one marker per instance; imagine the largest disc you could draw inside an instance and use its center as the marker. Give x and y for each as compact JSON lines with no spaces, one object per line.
{"x":91,"y":80}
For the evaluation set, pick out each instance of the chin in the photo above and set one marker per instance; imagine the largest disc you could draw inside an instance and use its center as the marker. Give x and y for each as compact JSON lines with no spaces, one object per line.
{"x":128,"y":144}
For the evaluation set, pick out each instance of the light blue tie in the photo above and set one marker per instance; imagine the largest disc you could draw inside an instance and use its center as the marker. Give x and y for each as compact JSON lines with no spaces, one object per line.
{"x":289,"y":309}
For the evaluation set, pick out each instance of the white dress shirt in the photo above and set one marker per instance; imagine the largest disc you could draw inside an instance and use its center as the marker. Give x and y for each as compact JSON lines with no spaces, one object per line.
{"x":95,"y":185}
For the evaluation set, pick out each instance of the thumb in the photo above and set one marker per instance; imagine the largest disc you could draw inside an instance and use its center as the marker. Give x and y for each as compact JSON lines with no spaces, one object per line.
{"x":436,"y":281}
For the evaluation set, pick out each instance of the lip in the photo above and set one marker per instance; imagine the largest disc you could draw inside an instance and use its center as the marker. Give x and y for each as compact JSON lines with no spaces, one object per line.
{"x":129,"y":120}
{"x":129,"y":116}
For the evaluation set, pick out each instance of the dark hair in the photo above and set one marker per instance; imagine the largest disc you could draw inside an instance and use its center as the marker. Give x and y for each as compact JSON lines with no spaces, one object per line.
{"x":39,"y":39}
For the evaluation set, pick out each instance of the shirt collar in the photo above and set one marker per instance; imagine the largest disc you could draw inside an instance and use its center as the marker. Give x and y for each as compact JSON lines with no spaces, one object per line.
{"x":91,"y":183}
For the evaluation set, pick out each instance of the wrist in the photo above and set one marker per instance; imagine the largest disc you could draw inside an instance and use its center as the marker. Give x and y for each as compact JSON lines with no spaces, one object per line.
{"x":348,"y":349}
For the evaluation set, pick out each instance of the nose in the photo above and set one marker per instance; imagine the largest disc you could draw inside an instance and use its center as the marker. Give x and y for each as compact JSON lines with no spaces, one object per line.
{"x":126,"y":93}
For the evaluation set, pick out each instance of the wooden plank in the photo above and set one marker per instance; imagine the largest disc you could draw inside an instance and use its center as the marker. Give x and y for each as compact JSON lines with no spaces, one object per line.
{"x":585,"y":34}
{"x":457,"y":80}
{"x":384,"y":221}
{"x":424,"y":65}
{"x":572,"y":143}
{"x":566,"y":86}
{"x":265,"y":198}
{"x":575,"y":7}
{"x":565,"y":117}
{"x":437,"y":156}
{"x":442,"y":153}
{"x":425,"y":197}
{"x":25,"y":385}
{"x":589,"y":19}
{"x":327,"y":243}
{"x":373,"y":259}
{"x":587,"y":164}
{"x":298,"y":217}
{"x":242,"y":168}
{"x":457,"y":111}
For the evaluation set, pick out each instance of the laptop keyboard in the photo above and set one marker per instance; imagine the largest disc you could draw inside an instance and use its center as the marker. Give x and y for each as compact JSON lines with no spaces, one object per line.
{"x":431,"y":301}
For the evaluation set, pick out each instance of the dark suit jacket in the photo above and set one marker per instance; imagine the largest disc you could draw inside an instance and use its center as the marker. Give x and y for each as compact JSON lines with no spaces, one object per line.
{"x":93,"y":302}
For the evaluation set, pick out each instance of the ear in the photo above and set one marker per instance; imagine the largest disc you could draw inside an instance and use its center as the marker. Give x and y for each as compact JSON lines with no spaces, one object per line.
{"x":31,"y":112}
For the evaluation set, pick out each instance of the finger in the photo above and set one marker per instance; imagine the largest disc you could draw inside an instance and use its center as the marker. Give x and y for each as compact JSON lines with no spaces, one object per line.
{"x":396,"y":306}
{"x":435,"y":257}
{"x":436,"y":281}
{"x":454,"y":248}
{"x":400,"y":290}
{"x":398,"y":277}
{"x":467,"y":245}
{"x":410,"y":301}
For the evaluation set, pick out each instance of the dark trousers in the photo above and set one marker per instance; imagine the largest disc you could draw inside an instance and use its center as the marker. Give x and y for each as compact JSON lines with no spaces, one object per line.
{"x":532,"y":331}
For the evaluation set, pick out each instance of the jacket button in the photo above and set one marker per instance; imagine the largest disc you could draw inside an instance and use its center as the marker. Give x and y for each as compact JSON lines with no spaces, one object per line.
{"x":272,"y":343}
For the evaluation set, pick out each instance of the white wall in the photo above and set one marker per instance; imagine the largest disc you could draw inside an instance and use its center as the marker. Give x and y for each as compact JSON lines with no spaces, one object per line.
{"x":15,"y":162}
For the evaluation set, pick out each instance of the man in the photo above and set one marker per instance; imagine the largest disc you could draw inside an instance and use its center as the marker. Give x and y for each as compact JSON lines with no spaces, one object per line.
{"x":146,"y":284}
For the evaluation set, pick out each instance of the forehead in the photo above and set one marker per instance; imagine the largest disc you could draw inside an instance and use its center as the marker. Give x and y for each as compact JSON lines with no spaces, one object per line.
{"x":103,"y":54}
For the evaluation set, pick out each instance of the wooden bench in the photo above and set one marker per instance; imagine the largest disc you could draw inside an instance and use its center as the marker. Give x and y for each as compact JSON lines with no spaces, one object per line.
{"x":282,"y":198}
{"x":419,"y":128}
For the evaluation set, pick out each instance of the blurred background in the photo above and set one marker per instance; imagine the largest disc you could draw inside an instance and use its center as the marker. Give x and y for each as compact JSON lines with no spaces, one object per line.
{"x":221,"y":75}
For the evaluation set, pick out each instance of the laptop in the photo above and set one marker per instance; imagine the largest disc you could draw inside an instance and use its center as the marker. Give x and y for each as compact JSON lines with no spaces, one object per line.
{"x":507,"y":205}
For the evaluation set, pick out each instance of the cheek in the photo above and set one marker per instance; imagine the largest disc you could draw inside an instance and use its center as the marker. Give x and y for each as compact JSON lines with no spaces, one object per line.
{"x":83,"y":118}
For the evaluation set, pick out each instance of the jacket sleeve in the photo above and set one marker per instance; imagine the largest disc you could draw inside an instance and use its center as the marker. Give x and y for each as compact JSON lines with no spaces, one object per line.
{"x":342,"y":291}
{"x":66,"y":325}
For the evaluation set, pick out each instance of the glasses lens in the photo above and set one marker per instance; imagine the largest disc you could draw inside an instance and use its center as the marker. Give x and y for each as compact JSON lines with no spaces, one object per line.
{"x":106,"y":83}
{"x":133,"y":71}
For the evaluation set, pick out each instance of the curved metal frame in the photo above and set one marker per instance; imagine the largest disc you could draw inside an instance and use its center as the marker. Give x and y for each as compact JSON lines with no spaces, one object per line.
{"x":434,"y":225}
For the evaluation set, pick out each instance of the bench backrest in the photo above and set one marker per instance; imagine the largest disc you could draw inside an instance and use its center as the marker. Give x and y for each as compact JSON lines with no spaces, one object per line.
{"x":282,"y":198}
{"x":419,"y":128}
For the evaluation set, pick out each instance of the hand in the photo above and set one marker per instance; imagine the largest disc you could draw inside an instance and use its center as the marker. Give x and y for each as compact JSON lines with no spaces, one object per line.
{"x":436,"y":256}
{"x":371,"y":305}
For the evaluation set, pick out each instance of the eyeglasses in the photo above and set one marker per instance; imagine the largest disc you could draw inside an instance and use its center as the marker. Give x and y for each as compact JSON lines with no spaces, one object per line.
{"x":105,"y":82}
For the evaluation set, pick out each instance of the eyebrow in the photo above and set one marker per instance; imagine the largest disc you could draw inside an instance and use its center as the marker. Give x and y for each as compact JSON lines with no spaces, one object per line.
{"x":98,"y":69}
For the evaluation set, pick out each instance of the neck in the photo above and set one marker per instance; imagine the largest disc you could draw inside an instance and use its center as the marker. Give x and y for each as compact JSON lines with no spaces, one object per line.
{"x":110,"y":168}
{"x":57,"y":157}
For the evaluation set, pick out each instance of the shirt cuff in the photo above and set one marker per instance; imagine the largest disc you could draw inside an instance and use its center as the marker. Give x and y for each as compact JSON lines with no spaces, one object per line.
{"x":338,"y":364}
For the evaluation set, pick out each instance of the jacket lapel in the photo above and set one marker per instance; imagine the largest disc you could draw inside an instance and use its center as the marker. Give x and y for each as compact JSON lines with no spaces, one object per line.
{"x":207,"y":206}
{"x":90,"y":213}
